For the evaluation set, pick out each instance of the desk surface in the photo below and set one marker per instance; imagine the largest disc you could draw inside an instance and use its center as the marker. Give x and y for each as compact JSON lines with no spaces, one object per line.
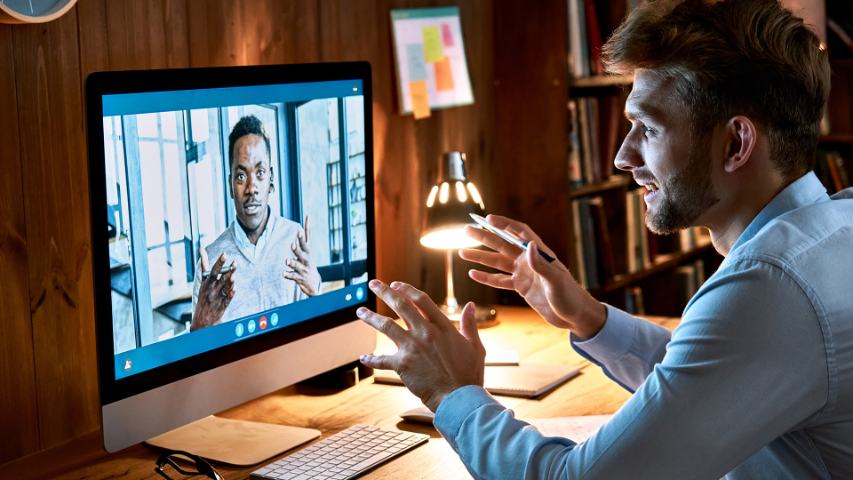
{"x":520,"y":329}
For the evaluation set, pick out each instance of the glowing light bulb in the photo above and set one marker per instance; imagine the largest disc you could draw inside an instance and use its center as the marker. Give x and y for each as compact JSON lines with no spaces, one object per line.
{"x":461,"y":194}
{"x":444,"y":193}
{"x":431,"y":197}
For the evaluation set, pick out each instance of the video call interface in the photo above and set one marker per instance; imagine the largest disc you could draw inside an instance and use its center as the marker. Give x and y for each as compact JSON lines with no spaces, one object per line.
{"x":231,"y":212}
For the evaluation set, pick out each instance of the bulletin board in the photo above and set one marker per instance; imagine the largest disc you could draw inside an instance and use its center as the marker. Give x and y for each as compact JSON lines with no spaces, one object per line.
{"x":432,"y":71}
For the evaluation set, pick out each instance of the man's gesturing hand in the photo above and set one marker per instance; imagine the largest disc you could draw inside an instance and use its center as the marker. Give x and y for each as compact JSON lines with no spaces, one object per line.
{"x":549,"y":288}
{"x":215,"y":292}
{"x":432,"y":358}
{"x":302,"y":269}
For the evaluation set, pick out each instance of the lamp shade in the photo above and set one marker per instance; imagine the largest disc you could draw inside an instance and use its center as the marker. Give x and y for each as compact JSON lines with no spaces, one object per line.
{"x":450,"y":201}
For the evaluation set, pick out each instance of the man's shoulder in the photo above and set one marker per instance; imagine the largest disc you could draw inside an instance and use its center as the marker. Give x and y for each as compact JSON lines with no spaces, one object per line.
{"x":797,"y":236}
{"x":223,"y":243}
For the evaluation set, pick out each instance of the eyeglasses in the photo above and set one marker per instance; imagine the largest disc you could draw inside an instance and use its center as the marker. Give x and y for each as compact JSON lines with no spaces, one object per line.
{"x":176,"y":458}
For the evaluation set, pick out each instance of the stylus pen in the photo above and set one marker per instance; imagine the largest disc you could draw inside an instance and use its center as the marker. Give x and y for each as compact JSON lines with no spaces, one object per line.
{"x":481,"y":222}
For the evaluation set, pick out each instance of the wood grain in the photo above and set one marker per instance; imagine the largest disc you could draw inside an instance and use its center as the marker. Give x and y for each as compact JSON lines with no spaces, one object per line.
{"x":55,"y":192}
{"x":531,"y":141}
{"x":132,"y":35}
{"x":226,"y":33}
{"x":17,"y":377}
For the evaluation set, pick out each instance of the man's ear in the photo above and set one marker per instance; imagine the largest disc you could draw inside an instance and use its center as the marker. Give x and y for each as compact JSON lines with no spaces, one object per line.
{"x":741,"y":140}
{"x":230,"y":186}
{"x":272,"y":179}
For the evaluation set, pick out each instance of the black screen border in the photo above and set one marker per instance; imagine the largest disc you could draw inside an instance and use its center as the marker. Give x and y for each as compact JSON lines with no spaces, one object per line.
{"x":99,"y":84}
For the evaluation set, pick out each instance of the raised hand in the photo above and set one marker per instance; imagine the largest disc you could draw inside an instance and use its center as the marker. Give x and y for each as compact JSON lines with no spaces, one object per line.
{"x":432,"y":358}
{"x":301,"y":268}
{"x":215,"y":293}
{"x":549,"y":288}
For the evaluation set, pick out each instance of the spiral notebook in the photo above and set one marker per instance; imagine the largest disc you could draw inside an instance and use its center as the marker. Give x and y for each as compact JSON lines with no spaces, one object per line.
{"x":528,"y":380}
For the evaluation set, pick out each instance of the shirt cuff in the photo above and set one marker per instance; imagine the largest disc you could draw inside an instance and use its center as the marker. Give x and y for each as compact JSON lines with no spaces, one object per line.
{"x":613,"y":340}
{"x":456,"y":407}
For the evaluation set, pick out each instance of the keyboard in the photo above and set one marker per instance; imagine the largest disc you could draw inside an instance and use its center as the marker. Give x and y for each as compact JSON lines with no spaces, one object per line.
{"x":346,"y":454}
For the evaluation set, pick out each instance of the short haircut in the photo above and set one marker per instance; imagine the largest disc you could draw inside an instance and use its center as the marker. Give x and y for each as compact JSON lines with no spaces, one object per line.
{"x":248,"y":125}
{"x":733,"y":57}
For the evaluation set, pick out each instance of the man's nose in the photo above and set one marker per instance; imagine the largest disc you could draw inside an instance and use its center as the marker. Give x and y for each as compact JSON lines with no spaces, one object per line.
{"x":628,"y":158}
{"x":251,"y":185}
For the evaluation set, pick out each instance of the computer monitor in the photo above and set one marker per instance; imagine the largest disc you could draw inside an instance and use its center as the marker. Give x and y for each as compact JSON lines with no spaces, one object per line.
{"x":270,"y":166}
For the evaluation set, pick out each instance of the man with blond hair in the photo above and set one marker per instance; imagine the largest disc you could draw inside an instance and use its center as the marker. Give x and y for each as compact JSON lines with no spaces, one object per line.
{"x":757,"y":380}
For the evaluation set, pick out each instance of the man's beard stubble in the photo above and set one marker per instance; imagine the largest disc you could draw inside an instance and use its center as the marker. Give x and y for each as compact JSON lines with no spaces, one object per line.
{"x":686,"y":195}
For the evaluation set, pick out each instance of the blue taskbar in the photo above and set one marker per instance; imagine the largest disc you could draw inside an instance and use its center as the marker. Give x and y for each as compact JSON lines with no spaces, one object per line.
{"x":184,"y":346}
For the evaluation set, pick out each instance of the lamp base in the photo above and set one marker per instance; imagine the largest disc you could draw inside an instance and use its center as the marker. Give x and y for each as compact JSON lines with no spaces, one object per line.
{"x":485,"y":316}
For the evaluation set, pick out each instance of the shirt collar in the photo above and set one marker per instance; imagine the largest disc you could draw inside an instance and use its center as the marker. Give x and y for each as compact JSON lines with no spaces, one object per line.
{"x":243,"y":242}
{"x":806,"y":190}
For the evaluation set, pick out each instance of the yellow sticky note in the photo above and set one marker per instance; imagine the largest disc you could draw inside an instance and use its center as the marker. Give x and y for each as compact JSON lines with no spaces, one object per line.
{"x":433,"y":50}
{"x":443,"y":75}
{"x":420,"y":99}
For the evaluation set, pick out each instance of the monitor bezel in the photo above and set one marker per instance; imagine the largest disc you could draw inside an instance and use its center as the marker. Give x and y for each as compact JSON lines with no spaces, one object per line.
{"x":99,"y":84}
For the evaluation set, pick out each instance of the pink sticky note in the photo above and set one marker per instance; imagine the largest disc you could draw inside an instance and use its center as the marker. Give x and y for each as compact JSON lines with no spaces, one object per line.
{"x":446,"y":36}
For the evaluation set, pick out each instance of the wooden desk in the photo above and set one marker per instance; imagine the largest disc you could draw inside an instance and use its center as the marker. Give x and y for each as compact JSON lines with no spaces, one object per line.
{"x":520,"y":329}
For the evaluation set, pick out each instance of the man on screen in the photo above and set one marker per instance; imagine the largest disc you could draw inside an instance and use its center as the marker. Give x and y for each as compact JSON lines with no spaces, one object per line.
{"x":271,"y":253}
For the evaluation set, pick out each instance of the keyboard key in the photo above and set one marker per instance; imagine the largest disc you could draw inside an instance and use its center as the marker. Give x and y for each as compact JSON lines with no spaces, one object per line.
{"x":342,"y":456}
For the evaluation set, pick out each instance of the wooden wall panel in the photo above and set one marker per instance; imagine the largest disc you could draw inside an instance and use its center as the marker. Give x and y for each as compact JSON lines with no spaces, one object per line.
{"x":55,"y":192}
{"x":17,"y":377}
{"x":133,"y":35}
{"x":531,"y":139}
{"x":243,"y":32}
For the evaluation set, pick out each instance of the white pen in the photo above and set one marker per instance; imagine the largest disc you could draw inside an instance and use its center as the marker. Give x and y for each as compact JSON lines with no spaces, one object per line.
{"x":506,"y":235}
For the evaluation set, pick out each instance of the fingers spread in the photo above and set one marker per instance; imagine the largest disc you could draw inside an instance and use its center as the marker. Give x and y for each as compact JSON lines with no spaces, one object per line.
{"x":496,"y":280}
{"x":399,"y":303}
{"x":306,"y":228}
{"x":382,"y":362}
{"x":489,"y":259}
{"x":425,"y":304}
{"x":205,"y":263}
{"x":492,"y":241}
{"x":382,"y":324}
{"x":468,"y":326}
{"x":519,"y":229}
{"x":216,"y":271}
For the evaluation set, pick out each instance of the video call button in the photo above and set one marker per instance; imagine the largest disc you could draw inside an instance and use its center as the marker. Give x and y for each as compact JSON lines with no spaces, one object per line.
{"x":359,"y":293}
{"x":262,"y":323}
{"x":274,"y":319}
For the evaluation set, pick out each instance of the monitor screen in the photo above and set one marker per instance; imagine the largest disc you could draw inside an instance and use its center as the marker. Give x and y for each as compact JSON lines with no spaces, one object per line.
{"x":232,"y":212}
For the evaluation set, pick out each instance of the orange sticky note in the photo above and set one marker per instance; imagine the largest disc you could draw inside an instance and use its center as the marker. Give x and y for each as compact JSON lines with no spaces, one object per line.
{"x":420,"y":99}
{"x":443,"y":75}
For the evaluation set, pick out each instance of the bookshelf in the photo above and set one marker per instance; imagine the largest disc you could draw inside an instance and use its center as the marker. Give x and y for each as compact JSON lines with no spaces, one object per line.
{"x":611,"y":252}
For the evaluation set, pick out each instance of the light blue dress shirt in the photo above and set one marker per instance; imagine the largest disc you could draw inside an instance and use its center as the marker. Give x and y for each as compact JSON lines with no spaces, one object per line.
{"x":756,"y":381}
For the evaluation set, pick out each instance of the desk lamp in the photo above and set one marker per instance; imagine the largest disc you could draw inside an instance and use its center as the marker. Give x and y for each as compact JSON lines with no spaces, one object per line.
{"x":449,"y":202}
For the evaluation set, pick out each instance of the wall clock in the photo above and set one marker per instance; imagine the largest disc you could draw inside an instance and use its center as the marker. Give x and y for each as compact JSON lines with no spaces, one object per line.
{"x":33,"y":11}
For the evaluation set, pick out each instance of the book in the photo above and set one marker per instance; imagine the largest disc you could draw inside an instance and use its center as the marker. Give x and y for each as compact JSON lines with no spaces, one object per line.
{"x":580,"y":274}
{"x":527,"y":380}
{"x":606,"y":268}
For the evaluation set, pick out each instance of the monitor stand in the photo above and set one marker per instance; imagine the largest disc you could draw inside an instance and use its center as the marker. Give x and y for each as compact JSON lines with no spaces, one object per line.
{"x":235,"y":442}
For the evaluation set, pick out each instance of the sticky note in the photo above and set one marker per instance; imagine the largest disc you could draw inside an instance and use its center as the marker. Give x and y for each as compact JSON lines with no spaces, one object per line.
{"x":420,"y":98}
{"x":415,"y":61}
{"x":443,"y":75}
{"x":433,"y":51}
{"x":446,"y":35}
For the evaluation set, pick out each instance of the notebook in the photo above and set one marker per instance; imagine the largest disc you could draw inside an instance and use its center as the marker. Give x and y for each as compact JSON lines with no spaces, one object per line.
{"x":527,"y":380}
